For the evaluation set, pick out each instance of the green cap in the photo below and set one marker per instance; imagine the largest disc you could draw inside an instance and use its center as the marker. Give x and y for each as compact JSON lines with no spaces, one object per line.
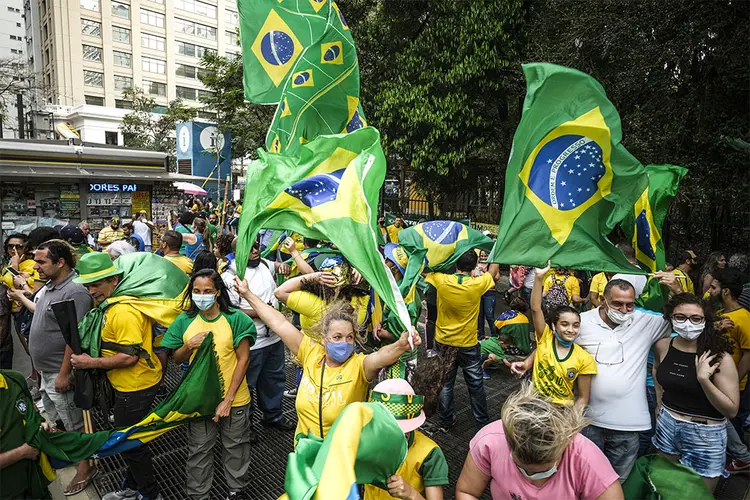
{"x":95,"y":266}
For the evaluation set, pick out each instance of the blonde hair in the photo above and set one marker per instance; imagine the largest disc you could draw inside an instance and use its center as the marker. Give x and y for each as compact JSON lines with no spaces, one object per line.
{"x":337,"y":311}
{"x":537,"y":430}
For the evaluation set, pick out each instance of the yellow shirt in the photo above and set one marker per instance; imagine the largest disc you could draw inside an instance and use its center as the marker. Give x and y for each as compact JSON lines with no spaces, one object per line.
{"x":312,"y":308}
{"x":458,"y":297}
{"x":572,"y":286}
{"x":229,"y":330}
{"x":393,"y":233}
{"x":739,"y":336}
{"x":182,"y":262}
{"x":598,"y":283}
{"x":341,"y":386}
{"x":124,"y":324}
{"x":686,"y":284}
{"x":553,"y":377}
{"x":27,"y":266}
{"x":108,"y":235}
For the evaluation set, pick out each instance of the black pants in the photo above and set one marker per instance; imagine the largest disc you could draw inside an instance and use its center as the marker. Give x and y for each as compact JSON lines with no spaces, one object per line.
{"x":130,"y":408}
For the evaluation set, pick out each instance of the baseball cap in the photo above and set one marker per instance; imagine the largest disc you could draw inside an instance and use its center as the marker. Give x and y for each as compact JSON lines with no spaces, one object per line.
{"x":73,"y":235}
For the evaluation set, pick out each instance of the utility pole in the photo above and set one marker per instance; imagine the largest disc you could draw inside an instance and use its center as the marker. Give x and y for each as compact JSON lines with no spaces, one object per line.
{"x":19,"y":105}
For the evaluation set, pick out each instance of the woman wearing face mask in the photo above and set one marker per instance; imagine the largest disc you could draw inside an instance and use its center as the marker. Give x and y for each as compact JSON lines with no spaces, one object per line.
{"x":559,"y":364}
{"x":697,"y":389}
{"x":233,"y":334}
{"x":333,"y":366}
{"x":536,"y":451}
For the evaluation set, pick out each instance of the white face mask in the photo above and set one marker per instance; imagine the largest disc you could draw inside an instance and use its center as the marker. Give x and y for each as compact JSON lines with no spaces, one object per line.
{"x":617,"y":317}
{"x":688,"y":330}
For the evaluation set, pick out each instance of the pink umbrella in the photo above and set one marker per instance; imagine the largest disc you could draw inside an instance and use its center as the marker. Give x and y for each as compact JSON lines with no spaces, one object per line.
{"x":190,"y":188}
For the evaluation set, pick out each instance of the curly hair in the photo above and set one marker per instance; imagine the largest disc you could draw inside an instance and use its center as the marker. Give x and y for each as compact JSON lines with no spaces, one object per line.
{"x":710,"y":340}
{"x":519,"y":304}
{"x":223,"y":243}
{"x":428,"y":377}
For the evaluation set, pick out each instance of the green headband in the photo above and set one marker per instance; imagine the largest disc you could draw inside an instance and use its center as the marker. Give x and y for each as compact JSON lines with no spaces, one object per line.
{"x":401,"y":406}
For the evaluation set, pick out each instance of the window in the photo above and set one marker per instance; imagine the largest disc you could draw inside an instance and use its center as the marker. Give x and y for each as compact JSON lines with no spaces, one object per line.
{"x":121,"y":35}
{"x":94,"y":100}
{"x":157,"y":1}
{"x":15,"y":51}
{"x":199,"y":8}
{"x":88,"y":4}
{"x":92,"y":78}
{"x":11,"y":9}
{"x":231,"y":18}
{"x":153,"y":42}
{"x":155,"y":88}
{"x":123,"y":104}
{"x":188,"y":49}
{"x":153,"y":65}
{"x":159,"y":109}
{"x":152,"y":18}
{"x":186,"y":71}
{"x":203,"y":94}
{"x":123,"y":82}
{"x":91,"y":53}
{"x":121,"y":59}
{"x":195,"y":29}
{"x":121,"y":10}
{"x":233,"y":38}
{"x":207,"y":115}
{"x":14,"y":37}
{"x":186,"y":93}
{"x":18,"y":25}
{"x":110,"y":138}
{"x":91,"y":28}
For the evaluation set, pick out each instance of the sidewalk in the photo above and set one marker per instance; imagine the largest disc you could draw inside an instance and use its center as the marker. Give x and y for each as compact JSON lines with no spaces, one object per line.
{"x":64,"y":476}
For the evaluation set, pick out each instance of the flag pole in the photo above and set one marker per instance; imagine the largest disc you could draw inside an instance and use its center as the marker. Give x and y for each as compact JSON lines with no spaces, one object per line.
{"x":224,"y":205}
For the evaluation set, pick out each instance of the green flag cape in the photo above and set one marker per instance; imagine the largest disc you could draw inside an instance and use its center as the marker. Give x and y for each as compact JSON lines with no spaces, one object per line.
{"x":657,"y":478}
{"x":149,"y":283}
{"x":643,"y":226}
{"x":330,"y":192}
{"x":569,"y":181}
{"x":364,"y":446}
{"x":196,"y":397}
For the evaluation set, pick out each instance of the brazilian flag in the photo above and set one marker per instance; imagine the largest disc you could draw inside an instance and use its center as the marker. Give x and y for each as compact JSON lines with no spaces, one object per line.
{"x":330,"y":192}
{"x":364,"y":446}
{"x":569,"y":181}
{"x":274,"y":34}
{"x":321,"y":96}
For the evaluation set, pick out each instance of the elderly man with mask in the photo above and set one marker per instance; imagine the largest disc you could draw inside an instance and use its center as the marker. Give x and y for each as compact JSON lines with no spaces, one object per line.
{"x":619,"y":337}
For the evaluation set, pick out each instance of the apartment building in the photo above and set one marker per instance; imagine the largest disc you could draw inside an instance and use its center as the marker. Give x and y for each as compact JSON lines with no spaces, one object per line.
{"x":12,"y":59}
{"x":88,"y":51}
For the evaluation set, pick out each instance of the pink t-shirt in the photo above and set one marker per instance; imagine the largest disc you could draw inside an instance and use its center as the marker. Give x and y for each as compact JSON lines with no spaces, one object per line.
{"x":584,"y":472}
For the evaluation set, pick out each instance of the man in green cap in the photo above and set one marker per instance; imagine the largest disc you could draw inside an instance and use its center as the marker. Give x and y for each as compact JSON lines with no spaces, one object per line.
{"x":133,"y":373}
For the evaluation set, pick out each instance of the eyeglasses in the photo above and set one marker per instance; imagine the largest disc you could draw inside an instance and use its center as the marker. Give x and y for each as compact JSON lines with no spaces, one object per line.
{"x":695,"y":319}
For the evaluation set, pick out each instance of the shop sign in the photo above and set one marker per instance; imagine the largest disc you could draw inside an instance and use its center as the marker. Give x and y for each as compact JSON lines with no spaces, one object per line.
{"x":113,"y":188}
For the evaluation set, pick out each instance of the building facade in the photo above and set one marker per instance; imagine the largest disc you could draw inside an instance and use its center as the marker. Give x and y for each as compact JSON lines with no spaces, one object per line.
{"x":88,"y":51}
{"x":12,"y":60}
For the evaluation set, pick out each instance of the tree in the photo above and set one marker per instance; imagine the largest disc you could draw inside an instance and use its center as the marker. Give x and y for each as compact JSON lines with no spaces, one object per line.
{"x":16,"y":78}
{"x":142,"y":128}
{"x":246,"y":122}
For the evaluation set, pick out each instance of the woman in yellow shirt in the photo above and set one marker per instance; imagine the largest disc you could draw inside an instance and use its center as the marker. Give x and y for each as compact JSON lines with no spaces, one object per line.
{"x":559,"y":364}
{"x":333,"y":375}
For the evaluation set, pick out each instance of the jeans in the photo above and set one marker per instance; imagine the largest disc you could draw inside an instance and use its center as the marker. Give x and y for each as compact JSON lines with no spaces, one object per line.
{"x":526,"y":295}
{"x":470,"y":361}
{"x":130,"y":408}
{"x":736,"y":448}
{"x":645,"y":436}
{"x":744,"y":411}
{"x":620,"y":447}
{"x":487,"y":313}
{"x":266,"y":378}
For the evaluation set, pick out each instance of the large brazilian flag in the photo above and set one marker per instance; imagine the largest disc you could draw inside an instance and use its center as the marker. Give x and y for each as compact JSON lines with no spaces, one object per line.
{"x":569,"y":181}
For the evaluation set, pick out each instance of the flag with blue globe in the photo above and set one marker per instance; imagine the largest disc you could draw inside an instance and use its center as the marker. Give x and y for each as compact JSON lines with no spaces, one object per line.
{"x":569,"y":180}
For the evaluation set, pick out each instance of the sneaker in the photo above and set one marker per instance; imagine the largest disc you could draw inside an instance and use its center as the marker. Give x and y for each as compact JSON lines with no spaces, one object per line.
{"x":123,"y":494}
{"x":738,"y":467}
{"x":485,"y":375}
{"x":283,"y":424}
{"x":443,"y":427}
{"x":237,"y":495}
{"x":291,"y":393}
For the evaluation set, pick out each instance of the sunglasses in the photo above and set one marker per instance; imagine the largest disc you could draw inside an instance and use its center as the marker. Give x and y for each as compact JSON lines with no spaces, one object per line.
{"x":15,"y":245}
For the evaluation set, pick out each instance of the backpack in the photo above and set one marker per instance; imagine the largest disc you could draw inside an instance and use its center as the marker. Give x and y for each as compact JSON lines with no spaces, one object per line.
{"x":556,"y":296}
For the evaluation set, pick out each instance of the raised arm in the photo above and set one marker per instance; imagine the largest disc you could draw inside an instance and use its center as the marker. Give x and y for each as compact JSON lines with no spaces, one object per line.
{"x":283,"y":292}
{"x":388,"y":355}
{"x":302,"y":265}
{"x":271,"y":317}
{"x":537,"y":315}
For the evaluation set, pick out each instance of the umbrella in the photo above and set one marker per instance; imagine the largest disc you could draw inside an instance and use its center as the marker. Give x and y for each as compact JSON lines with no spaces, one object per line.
{"x":190,"y":188}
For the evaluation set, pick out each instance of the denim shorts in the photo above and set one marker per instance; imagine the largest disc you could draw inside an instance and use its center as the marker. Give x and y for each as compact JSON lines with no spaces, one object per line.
{"x":701,"y":447}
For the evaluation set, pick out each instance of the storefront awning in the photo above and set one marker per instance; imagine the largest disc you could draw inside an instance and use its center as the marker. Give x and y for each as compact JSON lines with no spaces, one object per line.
{"x":43,"y":172}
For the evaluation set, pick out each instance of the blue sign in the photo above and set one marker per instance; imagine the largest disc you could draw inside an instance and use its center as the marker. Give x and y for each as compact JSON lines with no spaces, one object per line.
{"x":200,"y":142}
{"x":113,"y":188}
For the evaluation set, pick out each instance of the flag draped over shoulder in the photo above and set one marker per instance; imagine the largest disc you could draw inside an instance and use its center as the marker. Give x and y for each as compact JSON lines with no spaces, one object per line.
{"x":330,"y":192}
{"x":196,"y":397}
{"x":151,"y":284}
{"x":569,"y":181}
{"x":364,"y":446}
{"x":643,"y":226}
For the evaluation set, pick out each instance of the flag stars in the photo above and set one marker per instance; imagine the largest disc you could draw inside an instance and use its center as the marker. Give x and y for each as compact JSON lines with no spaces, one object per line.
{"x":549,"y":160}
{"x":570,"y":171}
{"x":563,"y":183}
{"x":577,"y":157}
{"x":580,"y":189}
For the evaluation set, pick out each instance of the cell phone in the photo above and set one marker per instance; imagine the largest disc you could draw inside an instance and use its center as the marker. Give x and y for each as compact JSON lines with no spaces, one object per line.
{"x":13,"y":271}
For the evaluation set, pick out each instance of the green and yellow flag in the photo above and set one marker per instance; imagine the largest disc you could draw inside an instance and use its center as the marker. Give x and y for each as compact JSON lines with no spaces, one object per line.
{"x":364,"y":446}
{"x":273,"y":35}
{"x":569,"y":181}
{"x":330,"y":192}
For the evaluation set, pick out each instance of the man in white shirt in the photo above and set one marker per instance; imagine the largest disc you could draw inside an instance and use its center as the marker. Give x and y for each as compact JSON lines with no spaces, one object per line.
{"x":265,"y":375}
{"x":620,"y":338}
{"x":142,"y":227}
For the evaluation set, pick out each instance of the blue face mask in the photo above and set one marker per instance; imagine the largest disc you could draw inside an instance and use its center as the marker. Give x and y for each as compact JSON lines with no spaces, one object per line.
{"x":563,"y":342}
{"x":339,"y":351}
{"x":203,"y":302}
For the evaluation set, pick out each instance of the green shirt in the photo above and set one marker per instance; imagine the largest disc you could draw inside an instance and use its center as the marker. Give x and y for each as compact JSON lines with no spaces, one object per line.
{"x":212,"y":232}
{"x":492,"y":346}
{"x":23,"y":479}
{"x":182,"y":230}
